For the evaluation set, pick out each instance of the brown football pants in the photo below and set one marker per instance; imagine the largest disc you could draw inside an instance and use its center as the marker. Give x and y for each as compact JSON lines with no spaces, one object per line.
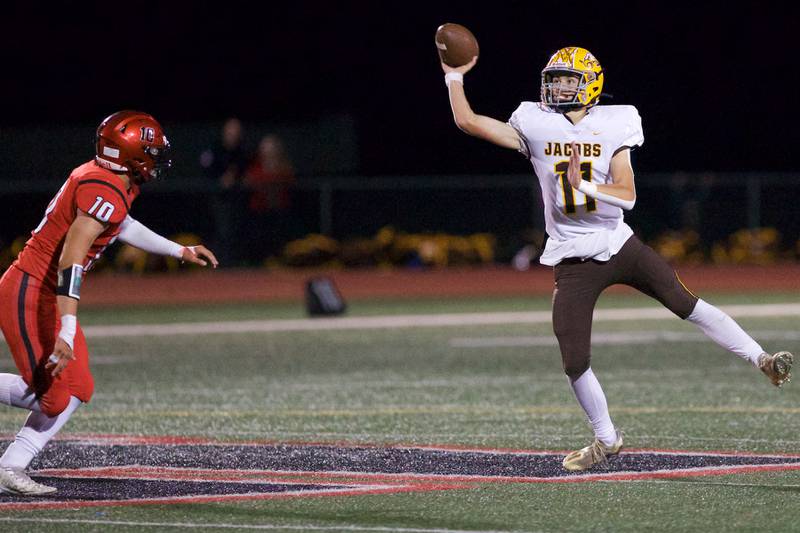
{"x":578,"y":284}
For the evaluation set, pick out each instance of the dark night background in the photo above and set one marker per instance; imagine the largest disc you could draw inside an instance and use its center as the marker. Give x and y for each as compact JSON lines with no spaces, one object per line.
{"x":356,"y":90}
{"x":713,"y":83}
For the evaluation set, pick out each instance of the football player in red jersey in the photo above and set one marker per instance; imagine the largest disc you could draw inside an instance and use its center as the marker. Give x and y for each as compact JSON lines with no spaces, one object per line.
{"x":39,"y":293}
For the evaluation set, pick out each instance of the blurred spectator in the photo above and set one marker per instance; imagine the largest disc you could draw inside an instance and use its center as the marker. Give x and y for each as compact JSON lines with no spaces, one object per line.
{"x":225,"y":163}
{"x":269,"y":178}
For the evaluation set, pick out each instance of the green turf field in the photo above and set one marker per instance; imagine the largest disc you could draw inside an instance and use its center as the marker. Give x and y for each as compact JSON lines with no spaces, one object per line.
{"x":487,"y":386}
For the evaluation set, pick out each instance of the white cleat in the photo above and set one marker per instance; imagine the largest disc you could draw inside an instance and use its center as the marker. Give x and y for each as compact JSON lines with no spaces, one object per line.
{"x":16,"y":481}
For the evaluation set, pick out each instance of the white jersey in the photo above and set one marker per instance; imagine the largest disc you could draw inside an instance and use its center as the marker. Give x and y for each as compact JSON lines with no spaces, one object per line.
{"x":578,"y":225}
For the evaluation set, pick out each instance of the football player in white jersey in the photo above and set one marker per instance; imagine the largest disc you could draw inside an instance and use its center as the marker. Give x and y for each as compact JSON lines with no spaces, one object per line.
{"x":580,"y":152}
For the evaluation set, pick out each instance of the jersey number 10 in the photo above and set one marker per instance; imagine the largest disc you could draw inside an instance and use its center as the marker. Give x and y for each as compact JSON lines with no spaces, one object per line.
{"x":101,"y":209}
{"x":569,"y":192}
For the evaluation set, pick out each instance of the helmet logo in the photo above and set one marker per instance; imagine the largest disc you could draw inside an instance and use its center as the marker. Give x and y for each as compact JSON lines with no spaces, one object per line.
{"x":147,"y":134}
{"x":565,"y":55}
{"x":590,"y":61}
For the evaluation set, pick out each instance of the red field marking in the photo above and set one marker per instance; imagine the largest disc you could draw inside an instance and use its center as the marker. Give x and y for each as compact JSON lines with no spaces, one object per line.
{"x":423,"y":481}
{"x":160,"y":473}
{"x":244,"y":477}
{"x":120,"y":439}
{"x":167,"y":440}
{"x":722,"y":453}
{"x":74,"y":504}
{"x":687,"y":472}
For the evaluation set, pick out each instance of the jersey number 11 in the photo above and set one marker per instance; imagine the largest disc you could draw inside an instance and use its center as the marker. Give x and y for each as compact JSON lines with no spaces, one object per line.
{"x":569,"y":192}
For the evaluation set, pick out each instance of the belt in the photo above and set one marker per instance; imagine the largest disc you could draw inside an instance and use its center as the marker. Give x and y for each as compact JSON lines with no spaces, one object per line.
{"x":578,"y":261}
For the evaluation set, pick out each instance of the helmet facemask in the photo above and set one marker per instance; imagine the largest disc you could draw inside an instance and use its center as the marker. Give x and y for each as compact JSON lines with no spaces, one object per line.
{"x":155,"y":163}
{"x":567,"y":97}
{"x":161,"y":160}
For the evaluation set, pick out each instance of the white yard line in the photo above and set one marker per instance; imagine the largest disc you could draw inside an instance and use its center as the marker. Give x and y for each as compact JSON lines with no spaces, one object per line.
{"x":412,"y":321}
{"x":271,"y":527}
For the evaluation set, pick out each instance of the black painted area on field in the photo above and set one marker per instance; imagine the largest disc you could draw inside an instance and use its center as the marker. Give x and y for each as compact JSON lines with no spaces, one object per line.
{"x":382,"y":460}
{"x":100,"y":488}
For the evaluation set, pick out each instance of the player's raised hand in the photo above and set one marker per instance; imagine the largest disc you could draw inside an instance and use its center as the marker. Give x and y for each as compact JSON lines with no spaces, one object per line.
{"x":574,"y":170}
{"x":463,"y":69}
{"x":58,"y":361}
{"x":199,"y":255}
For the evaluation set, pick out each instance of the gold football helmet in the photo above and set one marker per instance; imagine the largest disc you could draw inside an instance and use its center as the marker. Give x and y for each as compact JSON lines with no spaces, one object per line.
{"x":576,"y":62}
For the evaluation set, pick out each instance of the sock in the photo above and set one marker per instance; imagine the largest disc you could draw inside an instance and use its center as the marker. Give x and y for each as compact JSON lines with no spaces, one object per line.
{"x":15,"y":392}
{"x":723,"y":330}
{"x":34,"y":435}
{"x":591,"y":398}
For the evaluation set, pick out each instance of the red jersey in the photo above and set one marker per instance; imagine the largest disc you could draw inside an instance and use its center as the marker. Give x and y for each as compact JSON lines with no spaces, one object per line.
{"x":94,"y":190}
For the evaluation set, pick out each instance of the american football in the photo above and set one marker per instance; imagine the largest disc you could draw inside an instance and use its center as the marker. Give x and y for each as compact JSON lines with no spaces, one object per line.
{"x":456,"y":44}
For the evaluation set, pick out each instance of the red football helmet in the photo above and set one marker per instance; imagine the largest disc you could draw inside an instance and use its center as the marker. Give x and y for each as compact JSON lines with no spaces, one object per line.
{"x":133,"y":142}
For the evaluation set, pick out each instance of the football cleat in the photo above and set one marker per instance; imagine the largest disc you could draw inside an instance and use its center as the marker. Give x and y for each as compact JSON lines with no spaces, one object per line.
{"x":16,"y":481}
{"x":777,"y":367}
{"x":596,"y":453}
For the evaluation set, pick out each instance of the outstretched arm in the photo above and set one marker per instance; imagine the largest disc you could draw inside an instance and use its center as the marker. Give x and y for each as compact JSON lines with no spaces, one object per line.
{"x":137,"y":234}
{"x":621,"y":193}
{"x":468,"y":121}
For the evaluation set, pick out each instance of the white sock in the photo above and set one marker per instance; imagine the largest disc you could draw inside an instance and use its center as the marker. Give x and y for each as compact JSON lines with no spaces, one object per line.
{"x":34,"y":435}
{"x":723,"y":330}
{"x":15,"y":392}
{"x":591,"y":398}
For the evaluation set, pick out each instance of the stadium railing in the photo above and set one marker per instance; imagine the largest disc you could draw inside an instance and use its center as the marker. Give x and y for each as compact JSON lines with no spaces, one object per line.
{"x":717,"y":203}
